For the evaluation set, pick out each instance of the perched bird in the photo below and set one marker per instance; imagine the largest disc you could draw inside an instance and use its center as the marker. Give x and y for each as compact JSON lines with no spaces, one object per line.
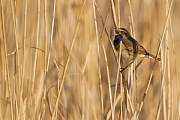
{"x":130,"y":48}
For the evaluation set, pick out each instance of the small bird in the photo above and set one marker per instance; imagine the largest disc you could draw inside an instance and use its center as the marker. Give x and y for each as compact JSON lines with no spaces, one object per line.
{"x":130,"y":48}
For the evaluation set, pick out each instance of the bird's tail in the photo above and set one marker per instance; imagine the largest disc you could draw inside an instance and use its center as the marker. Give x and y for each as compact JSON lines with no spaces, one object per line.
{"x":152,"y":56}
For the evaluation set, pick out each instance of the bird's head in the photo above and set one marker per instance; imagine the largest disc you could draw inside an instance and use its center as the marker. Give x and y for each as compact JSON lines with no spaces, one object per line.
{"x":122,"y":31}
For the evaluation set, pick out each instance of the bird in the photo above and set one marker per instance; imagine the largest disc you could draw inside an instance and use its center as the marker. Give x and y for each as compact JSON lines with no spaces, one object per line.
{"x":130,"y":48}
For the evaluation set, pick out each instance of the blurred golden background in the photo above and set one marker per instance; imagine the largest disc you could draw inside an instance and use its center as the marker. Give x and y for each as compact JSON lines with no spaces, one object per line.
{"x":53,"y":65}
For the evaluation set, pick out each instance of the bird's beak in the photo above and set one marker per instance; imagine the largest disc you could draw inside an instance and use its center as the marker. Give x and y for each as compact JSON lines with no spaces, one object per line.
{"x":118,"y":31}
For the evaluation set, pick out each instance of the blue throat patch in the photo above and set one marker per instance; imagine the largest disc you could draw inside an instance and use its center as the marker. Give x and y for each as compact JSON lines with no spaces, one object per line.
{"x":118,"y":37}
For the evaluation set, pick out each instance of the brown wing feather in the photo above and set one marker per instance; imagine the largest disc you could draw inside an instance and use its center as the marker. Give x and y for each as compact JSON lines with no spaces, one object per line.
{"x":142,"y":51}
{"x":131,"y":46}
{"x":128,"y":44}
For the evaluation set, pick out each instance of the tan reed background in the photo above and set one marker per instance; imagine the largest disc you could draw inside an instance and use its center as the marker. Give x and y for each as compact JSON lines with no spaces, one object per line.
{"x":53,"y":66}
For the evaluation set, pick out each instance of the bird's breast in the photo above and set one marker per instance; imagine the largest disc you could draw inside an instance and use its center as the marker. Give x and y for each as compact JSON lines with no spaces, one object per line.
{"x":125,"y":53}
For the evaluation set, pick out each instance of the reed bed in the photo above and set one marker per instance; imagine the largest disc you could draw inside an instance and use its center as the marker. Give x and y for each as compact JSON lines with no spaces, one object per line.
{"x":57,"y":60}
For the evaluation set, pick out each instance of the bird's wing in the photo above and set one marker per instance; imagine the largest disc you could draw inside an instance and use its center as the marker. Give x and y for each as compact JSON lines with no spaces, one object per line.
{"x":141,"y":50}
{"x":128,"y":44}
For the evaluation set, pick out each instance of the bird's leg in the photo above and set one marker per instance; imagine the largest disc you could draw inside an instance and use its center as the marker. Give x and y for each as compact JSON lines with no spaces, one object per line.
{"x":139,"y":63}
{"x":122,"y":69}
